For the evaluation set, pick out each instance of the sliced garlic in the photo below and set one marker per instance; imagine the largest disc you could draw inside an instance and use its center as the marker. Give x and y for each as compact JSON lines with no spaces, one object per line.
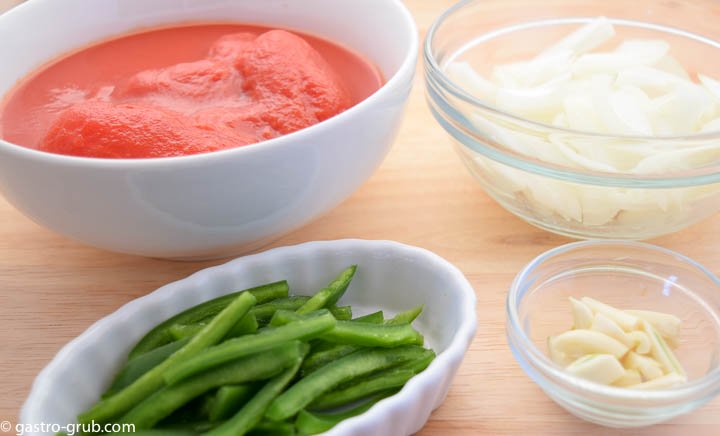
{"x":666,"y":381}
{"x":600,"y":368}
{"x":625,"y":320}
{"x":660,"y":350}
{"x":582,"y":315}
{"x":649,"y":368}
{"x":630,"y":377}
{"x":603,"y":324}
{"x":666,"y":324}
{"x":600,"y":349}
{"x":557,"y":356}
{"x":640,"y":342}
{"x":577,"y":343}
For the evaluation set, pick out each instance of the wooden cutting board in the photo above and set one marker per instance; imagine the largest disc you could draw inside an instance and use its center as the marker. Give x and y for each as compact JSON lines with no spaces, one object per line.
{"x":52,"y":288}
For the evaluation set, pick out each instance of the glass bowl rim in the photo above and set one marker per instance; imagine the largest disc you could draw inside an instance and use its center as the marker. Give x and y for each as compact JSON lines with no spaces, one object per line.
{"x":708,"y":382}
{"x":684,"y":178}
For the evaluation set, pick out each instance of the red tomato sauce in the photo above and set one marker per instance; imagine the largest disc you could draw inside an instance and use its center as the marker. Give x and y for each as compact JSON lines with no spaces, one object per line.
{"x":184,"y":90}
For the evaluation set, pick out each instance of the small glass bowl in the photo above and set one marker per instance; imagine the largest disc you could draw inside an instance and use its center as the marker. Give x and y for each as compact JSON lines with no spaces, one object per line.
{"x":627,"y":275}
{"x":517,"y":161}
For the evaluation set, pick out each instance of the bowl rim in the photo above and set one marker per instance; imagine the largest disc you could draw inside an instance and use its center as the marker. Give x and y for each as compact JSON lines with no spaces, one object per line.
{"x":708,"y":382}
{"x":438,"y":371}
{"x":690,"y":177}
{"x":305,"y":135}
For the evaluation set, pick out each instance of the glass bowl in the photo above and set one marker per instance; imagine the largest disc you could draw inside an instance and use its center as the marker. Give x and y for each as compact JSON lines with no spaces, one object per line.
{"x":515,"y":159}
{"x":627,"y":275}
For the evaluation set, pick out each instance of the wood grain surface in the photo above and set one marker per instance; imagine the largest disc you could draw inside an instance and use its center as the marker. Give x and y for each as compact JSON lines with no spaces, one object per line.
{"x":52,"y":288}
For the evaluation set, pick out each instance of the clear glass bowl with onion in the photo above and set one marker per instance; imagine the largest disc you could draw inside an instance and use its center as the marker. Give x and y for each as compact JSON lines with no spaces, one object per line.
{"x":637,"y":181}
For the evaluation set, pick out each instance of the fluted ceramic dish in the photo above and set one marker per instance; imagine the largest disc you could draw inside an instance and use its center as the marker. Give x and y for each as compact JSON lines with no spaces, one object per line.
{"x":391,"y":276}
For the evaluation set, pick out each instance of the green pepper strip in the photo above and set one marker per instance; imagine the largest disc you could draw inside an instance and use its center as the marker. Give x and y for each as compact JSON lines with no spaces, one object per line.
{"x":373,"y":335}
{"x":388,"y":380}
{"x":395,"y":377}
{"x":323,"y":357}
{"x":330,"y":294}
{"x":372,"y":318}
{"x":152,"y":380}
{"x":252,"y":413}
{"x":251,"y":368}
{"x":248,"y":324}
{"x":406,"y":317}
{"x":358,"y":364}
{"x":143,"y":363}
{"x":309,"y":423}
{"x":341,"y":313}
{"x":160,"y":335}
{"x":228,"y":400}
{"x":270,"y":428}
{"x":357,"y":333}
{"x":244,"y":345}
{"x":264,"y":312}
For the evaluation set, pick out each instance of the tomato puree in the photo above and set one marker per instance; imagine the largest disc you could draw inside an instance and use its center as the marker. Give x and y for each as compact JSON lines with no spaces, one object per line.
{"x":184,"y":90}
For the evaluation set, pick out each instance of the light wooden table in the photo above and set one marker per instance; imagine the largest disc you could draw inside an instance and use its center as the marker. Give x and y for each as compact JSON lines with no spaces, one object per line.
{"x":52,"y":288}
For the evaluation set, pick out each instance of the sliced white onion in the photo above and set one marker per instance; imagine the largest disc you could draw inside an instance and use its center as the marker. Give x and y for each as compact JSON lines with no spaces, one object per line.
{"x":711,"y":126}
{"x":653,"y":81}
{"x":637,"y":89}
{"x":678,"y":160}
{"x":476,"y":84}
{"x":595,"y":63}
{"x":671,"y":65}
{"x":710,"y":84}
{"x":630,"y":106}
{"x":647,"y":48}
{"x":539,"y":103}
{"x":581,"y":113}
{"x":534,"y":72}
{"x":682,"y":111}
{"x":560,"y":120}
{"x":585,"y":39}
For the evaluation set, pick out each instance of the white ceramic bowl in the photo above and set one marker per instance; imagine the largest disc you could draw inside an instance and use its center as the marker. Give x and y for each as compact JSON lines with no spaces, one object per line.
{"x":214,"y":204}
{"x":390,"y":276}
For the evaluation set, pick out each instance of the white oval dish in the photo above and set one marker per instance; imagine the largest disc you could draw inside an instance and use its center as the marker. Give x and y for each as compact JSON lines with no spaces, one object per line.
{"x":391,"y":276}
{"x":212,"y":204}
